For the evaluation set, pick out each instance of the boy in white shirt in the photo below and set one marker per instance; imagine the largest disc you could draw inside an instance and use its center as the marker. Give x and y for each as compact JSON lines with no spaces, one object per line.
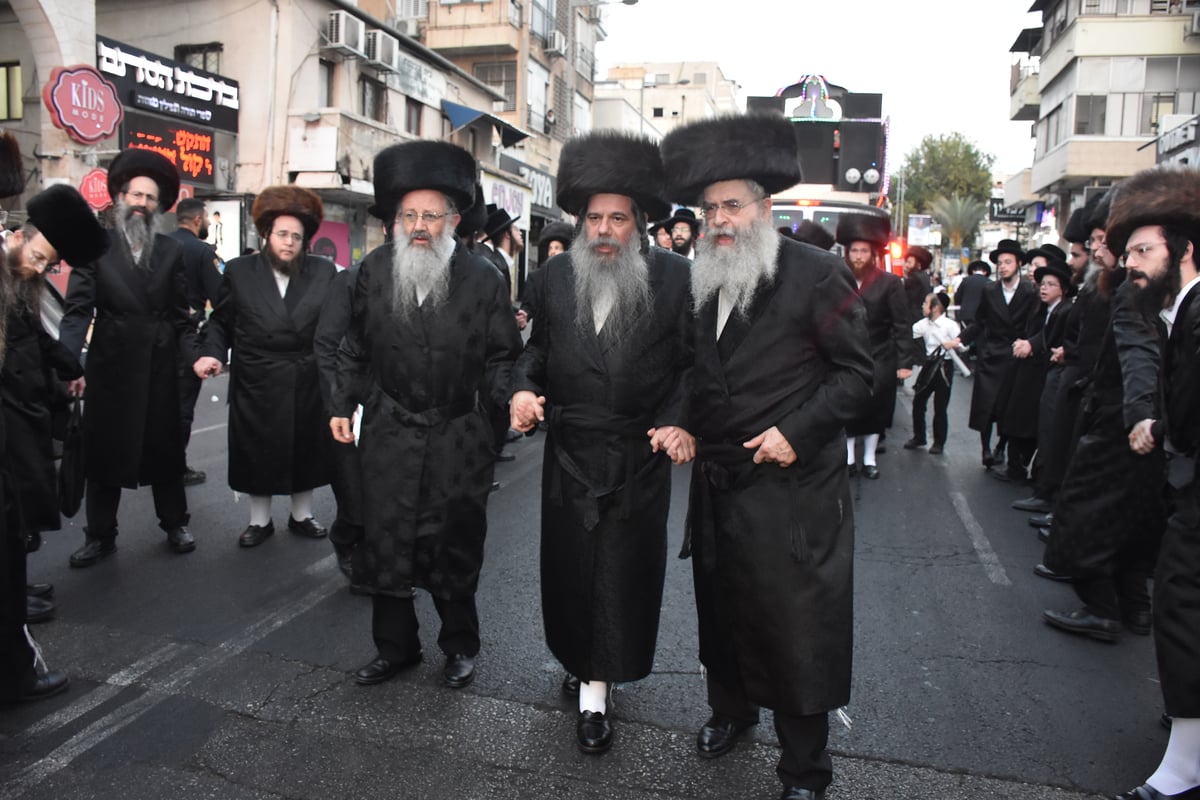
{"x":937,"y":374}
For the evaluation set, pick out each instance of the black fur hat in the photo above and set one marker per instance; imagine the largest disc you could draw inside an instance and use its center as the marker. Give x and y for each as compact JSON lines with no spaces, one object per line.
{"x":758,"y":147}
{"x":12,"y":169}
{"x":62,"y":215}
{"x":473,"y":218}
{"x":423,"y":164}
{"x":1156,"y":196}
{"x":612,"y":162}
{"x":1095,"y":213}
{"x":923,"y":256}
{"x":562,"y":232}
{"x":138,"y":163}
{"x":1076,"y":230}
{"x":814,"y":233}
{"x":864,"y":228}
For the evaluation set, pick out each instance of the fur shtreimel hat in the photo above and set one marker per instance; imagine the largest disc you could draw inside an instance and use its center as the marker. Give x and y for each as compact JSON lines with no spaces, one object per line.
{"x":12,"y":169}
{"x":135,"y":163}
{"x":1008,"y":246}
{"x":440,"y":166}
{"x":472,"y":219}
{"x":611,"y":162}
{"x":813,"y":233}
{"x":864,"y":228}
{"x":1076,"y":230}
{"x":1095,"y":213}
{"x":62,"y":215}
{"x":287,"y":201}
{"x":562,"y":232}
{"x":923,"y":256}
{"x":1159,"y":196}
{"x":758,"y":147}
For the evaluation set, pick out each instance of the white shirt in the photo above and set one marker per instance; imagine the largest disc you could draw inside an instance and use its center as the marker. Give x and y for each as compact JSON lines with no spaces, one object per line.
{"x":281,"y":281}
{"x":724,"y":309}
{"x":935,"y":331}
{"x":1168,"y":314}
{"x":601,"y":307}
{"x":1008,"y":293}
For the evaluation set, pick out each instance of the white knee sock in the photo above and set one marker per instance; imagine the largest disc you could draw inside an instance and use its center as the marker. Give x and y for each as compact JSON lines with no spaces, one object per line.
{"x":302,"y":505}
{"x":260,"y":509}
{"x":593,"y":696}
{"x":1180,"y":767}
{"x":870,"y":442}
{"x":849,"y":449}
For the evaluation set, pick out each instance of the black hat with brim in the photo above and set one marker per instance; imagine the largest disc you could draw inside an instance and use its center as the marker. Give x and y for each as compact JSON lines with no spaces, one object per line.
{"x":424,"y":164}
{"x":682,"y":215}
{"x":139,"y":163}
{"x":562,"y":232}
{"x":979,"y":266}
{"x":1007,"y":246}
{"x":1059,"y":269}
{"x":877,"y":230}
{"x":497,"y":222}
{"x":1049,"y":252}
{"x":473,"y":218}
{"x":62,"y":215}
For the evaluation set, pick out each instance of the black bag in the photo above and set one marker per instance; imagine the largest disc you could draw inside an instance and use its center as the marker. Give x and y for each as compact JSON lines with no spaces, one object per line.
{"x":931,"y":370}
{"x":71,"y":468}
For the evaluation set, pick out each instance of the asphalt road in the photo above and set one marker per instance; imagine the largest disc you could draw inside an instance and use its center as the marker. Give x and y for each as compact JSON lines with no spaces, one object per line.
{"x":225,"y":673}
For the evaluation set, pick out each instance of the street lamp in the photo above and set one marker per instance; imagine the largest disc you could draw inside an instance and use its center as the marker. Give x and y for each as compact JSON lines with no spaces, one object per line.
{"x":572,"y":5}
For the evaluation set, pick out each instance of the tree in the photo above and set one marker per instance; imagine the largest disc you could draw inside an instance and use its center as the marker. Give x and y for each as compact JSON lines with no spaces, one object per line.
{"x":943,"y":166}
{"x":960,"y":217}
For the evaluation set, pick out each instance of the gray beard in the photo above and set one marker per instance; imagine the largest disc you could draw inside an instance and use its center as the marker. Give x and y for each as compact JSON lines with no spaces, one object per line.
{"x":739,"y":269}
{"x":624,"y":279}
{"x":414,"y":267}
{"x":138,"y":233}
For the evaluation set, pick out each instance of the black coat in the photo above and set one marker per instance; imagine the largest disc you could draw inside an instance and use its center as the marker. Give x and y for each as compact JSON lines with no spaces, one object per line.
{"x":917,"y":287}
{"x":131,"y":428}
{"x":426,"y":446}
{"x":605,"y":495}
{"x":34,"y":363}
{"x":1177,"y":577}
{"x":968,"y":295}
{"x":1022,"y":397}
{"x":201,"y":270}
{"x":279,"y":437}
{"x":889,"y":328}
{"x":773,"y":548}
{"x":1111,"y":502}
{"x":997,"y":325}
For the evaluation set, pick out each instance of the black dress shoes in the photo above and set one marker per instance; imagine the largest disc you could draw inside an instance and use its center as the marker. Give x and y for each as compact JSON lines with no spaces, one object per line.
{"x":38,"y":609}
{"x":937,"y":449}
{"x":344,"y":554}
{"x":912,"y":444}
{"x":987,"y":459}
{"x":43,"y":590}
{"x":92,"y":551}
{"x":1139,"y":622}
{"x":308,"y":527}
{"x":459,"y":671}
{"x":998,"y":456}
{"x":1041,"y":520}
{"x":594,"y":732}
{"x":570,"y":686}
{"x":254,"y":535}
{"x":871,"y":472}
{"x":1148,"y":792}
{"x":852,"y":470}
{"x":718,"y":736}
{"x":1042,"y":571}
{"x":1035,"y":504}
{"x":1086,"y":623}
{"x":39,"y":687}
{"x":380,"y":669}
{"x":181,"y":540}
{"x":796,"y":793}
{"x":1043,"y":535}
{"x":192,"y":477}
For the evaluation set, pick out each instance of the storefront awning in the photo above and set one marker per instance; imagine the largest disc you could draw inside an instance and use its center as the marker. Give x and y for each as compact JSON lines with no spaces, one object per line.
{"x":1027,"y":41}
{"x":461,"y":116}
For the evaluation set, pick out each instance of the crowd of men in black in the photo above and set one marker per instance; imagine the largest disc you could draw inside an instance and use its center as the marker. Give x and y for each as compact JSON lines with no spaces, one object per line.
{"x":741,"y":349}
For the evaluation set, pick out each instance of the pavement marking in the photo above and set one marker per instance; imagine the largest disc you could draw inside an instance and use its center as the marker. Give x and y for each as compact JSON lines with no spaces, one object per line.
{"x":117,"y":719}
{"x":983,"y":548}
{"x":324,"y":565}
{"x":210,"y":428}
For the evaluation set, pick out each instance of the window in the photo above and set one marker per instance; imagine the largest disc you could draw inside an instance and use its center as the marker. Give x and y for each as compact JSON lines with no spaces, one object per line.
{"x":325,"y":83}
{"x":1154,"y":106}
{"x":700,"y":78}
{"x":662,"y":77}
{"x":372,"y":99}
{"x":1090,"y":114}
{"x":538,"y":92}
{"x":201,"y":56}
{"x":503,"y":76}
{"x":541,"y":20}
{"x":657,"y":111}
{"x":11,"y":103}
{"x":412,"y":116}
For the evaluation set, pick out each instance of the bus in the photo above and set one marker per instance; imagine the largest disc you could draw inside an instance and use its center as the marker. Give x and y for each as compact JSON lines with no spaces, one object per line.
{"x":790,"y":211}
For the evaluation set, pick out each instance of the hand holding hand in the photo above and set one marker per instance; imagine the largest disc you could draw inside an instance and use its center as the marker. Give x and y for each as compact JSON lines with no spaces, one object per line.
{"x":526,"y":410}
{"x":1141,"y":440}
{"x":678,"y":444}
{"x":206,"y":367}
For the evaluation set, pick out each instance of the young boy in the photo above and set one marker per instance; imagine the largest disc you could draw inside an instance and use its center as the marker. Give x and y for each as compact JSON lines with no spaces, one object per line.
{"x":937,"y":375}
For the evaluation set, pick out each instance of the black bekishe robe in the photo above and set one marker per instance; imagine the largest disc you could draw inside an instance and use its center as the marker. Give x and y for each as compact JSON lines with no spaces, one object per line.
{"x":605,"y":495}
{"x":997,"y":325}
{"x":426,"y":447}
{"x":772,"y":547}
{"x":279,"y":439}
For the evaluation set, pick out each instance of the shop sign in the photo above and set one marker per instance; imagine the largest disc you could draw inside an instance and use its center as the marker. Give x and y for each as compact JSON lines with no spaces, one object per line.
{"x":94,"y":188}
{"x":82,"y":103}
{"x":188,"y":147}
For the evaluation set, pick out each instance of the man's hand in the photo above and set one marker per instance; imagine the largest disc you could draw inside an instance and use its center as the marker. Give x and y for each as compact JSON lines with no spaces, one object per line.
{"x":342,"y":429}
{"x":525,"y":411}
{"x":903,"y":373}
{"x":1057,"y":354}
{"x":770,"y":445}
{"x":678,"y":444}
{"x":75,"y":388}
{"x":206,"y":367}
{"x":1141,"y":440}
{"x":522,"y":320}
{"x":1022,"y":348}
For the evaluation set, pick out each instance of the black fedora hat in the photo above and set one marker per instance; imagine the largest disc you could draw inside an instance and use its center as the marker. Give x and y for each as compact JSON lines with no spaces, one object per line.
{"x":1049,"y":252}
{"x":682,"y":214}
{"x":138,"y":163}
{"x":1007,"y":246}
{"x":497,"y":221}
{"x":979,"y":266}
{"x":1059,"y":269}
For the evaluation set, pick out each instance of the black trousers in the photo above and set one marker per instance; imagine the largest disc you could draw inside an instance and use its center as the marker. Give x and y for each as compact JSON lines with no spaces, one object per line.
{"x":394,"y":626}
{"x":1120,"y":595}
{"x":804,"y":763}
{"x":16,"y":656}
{"x":189,"y":392}
{"x":102,"y":502}
{"x":938,"y":386}
{"x":346,"y":481}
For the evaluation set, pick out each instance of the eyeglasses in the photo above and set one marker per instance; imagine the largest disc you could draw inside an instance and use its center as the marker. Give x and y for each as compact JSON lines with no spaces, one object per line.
{"x":731,"y":207}
{"x":146,"y":196}
{"x":41,"y":262}
{"x":428,"y":217}
{"x":1140,"y":250}
{"x":284,"y":236}
{"x":1095,"y":244}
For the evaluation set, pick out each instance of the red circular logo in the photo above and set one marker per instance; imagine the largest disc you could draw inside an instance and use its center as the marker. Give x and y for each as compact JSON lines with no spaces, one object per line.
{"x":83,"y":103}
{"x":94,"y":188}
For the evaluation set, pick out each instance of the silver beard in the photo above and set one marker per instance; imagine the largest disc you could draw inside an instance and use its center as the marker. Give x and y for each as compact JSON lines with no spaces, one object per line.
{"x":623,"y":278}
{"x":138,"y":232}
{"x":738,"y":269}
{"x":414,"y":267}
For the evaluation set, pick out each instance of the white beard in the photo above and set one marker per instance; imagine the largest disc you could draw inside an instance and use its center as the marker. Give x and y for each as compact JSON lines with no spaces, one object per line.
{"x":738,"y":269}
{"x":621,"y":282}
{"x":137,"y":232}
{"x":420,"y":269}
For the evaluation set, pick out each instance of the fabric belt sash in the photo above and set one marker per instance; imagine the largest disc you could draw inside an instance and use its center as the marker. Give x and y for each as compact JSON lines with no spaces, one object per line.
{"x":722,"y":466}
{"x":430,"y":417}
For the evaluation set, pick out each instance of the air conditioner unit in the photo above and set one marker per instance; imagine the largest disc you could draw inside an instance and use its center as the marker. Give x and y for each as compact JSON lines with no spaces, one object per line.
{"x":409,"y":27}
{"x":1193,"y":29}
{"x":345,"y":35}
{"x":556,"y":44}
{"x":382,"y":50}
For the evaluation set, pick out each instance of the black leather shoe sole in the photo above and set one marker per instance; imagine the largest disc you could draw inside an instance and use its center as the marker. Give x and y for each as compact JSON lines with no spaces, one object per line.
{"x":1084,"y":624}
{"x":254,"y":535}
{"x":91,"y":552}
{"x":459,"y":672}
{"x":380,"y":670}
{"x":42,"y":590}
{"x":718,"y":736}
{"x":307,"y":527}
{"x":38,"y":610}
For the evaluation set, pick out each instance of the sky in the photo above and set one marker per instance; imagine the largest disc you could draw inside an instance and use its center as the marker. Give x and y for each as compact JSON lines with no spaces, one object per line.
{"x":941,"y":65}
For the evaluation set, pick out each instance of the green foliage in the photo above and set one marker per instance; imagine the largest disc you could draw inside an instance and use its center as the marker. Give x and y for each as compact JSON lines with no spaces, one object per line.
{"x":943,"y":166}
{"x":959,"y":216}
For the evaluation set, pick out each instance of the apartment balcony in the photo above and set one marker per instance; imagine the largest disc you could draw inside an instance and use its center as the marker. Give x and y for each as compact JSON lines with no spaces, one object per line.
{"x":1114,"y":36}
{"x":474,"y":29}
{"x":1024,"y":93}
{"x":331,"y":151}
{"x":1080,"y":160}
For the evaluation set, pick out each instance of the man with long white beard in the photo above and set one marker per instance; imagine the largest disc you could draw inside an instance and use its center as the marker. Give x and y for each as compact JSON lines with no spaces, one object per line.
{"x":607,"y":365}
{"x":267,"y":311}
{"x":137,"y":294}
{"x":431,"y":327}
{"x":781,"y":365}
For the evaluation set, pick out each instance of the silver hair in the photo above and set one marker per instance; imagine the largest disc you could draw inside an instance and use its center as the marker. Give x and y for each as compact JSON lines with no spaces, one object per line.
{"x":421,"y":268}
{"x":622,"y":279}
{"x":738,"y":269}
